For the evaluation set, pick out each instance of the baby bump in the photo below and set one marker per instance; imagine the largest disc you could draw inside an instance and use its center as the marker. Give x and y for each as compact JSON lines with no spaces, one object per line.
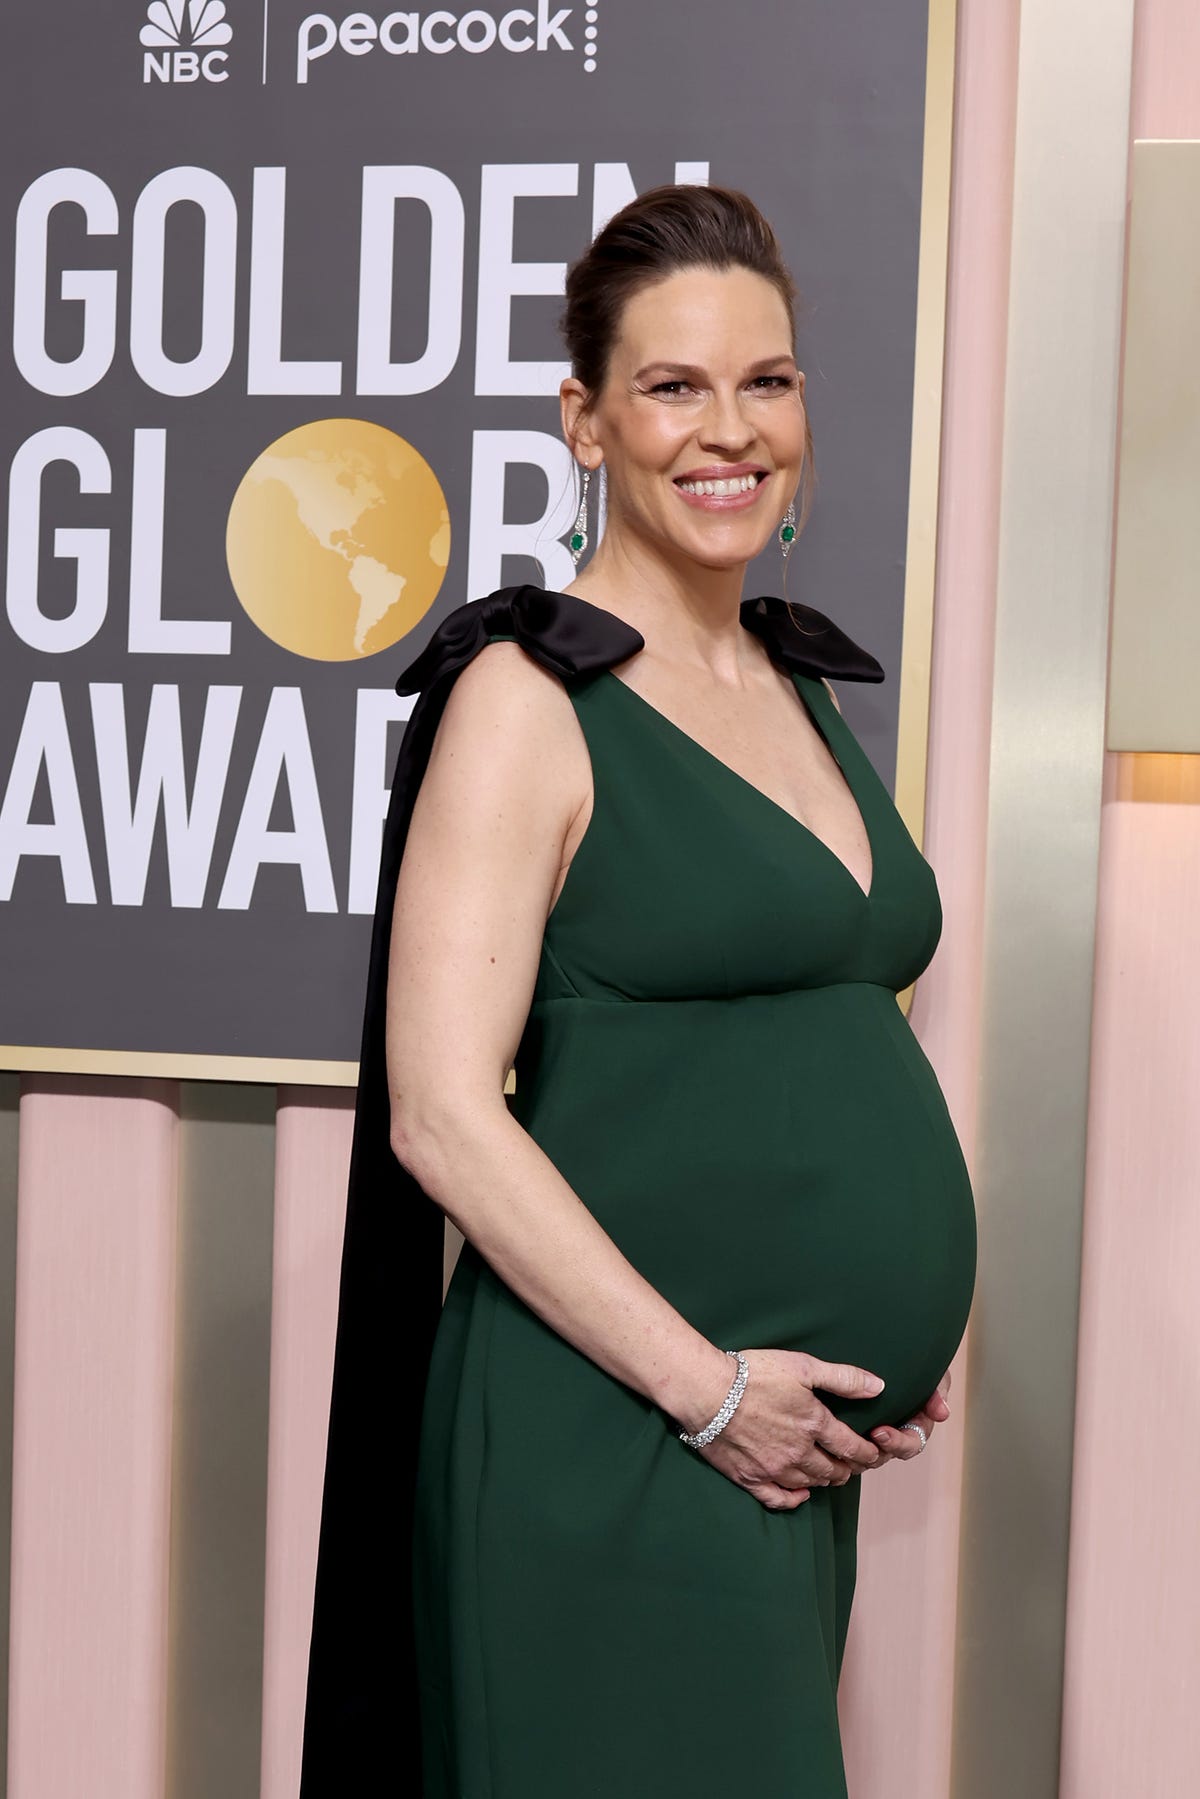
{"x":782,"y":1168}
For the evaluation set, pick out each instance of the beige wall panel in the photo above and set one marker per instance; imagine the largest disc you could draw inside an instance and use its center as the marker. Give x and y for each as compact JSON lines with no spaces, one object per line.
{"x":219,"y":1472}
{"x":1154,"y":685}
{"x":312,"y":1168}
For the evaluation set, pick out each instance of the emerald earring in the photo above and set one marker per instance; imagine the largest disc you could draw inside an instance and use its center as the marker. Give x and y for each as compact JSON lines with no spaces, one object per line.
{"x":787,"y":530}
{"x":578,"y":541}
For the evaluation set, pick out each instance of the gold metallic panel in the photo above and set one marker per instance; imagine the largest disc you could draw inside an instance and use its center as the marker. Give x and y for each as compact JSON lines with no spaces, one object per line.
{"x":916,"y":648}
{"x":919,"y":572}
{"x":1159,"y":779}
{"x":168,"y":1065}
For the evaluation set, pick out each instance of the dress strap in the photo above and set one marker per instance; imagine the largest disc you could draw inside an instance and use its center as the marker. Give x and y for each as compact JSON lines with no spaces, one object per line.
{"x":571,"y":636}
{"x":803,"y":639}
{"x":564,"y":632}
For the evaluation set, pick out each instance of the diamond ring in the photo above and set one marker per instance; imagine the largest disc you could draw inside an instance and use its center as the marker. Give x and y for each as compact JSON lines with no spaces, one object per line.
{"x":920,"y":1433}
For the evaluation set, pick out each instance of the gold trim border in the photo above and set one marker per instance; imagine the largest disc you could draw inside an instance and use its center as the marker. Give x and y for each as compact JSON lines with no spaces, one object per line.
{"x":916,"y":647}
{"x":181,"y":1065}
{"x":929,"y":364}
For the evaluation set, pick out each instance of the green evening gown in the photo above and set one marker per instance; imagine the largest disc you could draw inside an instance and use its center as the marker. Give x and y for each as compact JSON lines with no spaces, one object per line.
{"x":716,"y":1061}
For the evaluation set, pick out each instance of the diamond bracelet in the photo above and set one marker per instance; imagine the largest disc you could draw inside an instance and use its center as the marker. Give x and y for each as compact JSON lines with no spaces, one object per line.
{"x":729,"y":1406}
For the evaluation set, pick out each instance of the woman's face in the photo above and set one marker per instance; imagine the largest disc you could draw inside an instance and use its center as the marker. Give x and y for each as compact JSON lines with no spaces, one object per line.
{"x":702,"y":389}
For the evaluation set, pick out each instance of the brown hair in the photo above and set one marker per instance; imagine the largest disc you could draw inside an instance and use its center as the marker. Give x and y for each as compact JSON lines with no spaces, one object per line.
{"x":669,"y":228}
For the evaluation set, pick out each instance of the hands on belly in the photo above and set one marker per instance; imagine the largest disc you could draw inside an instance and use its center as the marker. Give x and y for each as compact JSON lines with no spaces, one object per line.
{"x":782,"y":1440}
{"x":902,"y":1445}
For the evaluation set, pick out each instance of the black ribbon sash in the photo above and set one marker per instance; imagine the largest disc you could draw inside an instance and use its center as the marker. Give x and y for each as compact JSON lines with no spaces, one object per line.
{"x":361,"y":1725}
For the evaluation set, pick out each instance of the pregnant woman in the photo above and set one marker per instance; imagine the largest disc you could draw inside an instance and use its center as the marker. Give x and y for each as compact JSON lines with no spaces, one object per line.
{"x":720,"y":1245}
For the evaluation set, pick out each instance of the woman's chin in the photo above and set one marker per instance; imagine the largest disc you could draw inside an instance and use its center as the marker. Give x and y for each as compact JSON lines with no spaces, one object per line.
{"x":719,"y":552}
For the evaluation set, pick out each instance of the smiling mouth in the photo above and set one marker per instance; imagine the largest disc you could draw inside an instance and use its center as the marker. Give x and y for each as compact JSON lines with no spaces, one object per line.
{"x":723,"y":488}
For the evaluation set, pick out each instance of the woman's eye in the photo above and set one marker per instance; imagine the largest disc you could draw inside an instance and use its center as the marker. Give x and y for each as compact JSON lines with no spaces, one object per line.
{"x":675,"y":389}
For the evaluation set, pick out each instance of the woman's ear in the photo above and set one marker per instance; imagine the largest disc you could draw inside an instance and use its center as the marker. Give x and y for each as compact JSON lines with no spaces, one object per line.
{"x":577,"y":421}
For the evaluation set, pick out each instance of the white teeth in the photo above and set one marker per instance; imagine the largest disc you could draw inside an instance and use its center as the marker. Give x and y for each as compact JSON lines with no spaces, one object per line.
{"x":731,"y":484}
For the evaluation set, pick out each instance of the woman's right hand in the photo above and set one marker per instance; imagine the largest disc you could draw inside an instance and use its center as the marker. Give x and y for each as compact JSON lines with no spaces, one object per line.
{"x":782,"y":1440}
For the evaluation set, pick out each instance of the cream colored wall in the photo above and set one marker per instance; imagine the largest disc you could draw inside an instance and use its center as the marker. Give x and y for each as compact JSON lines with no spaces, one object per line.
{"x":1133,"y":1643}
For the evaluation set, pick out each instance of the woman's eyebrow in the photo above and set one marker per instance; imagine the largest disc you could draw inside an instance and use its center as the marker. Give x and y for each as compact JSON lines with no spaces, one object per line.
{"x":668,"y":368}
{"x":690,"y":370}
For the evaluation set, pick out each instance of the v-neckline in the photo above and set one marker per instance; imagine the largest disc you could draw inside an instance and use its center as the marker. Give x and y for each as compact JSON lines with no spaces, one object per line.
{"x":866,"y":894}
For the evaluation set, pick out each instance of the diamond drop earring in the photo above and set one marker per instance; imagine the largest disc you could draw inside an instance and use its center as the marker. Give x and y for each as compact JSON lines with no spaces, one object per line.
{"x":578,"y":540}
{"x":787,"y":530}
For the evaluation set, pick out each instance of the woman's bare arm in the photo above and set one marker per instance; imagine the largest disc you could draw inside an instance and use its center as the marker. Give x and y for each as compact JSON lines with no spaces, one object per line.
{"x":502,"y":795}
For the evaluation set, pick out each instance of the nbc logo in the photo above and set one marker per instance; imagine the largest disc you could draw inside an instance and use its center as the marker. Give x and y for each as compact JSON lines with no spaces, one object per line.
{"x":181,"y":41}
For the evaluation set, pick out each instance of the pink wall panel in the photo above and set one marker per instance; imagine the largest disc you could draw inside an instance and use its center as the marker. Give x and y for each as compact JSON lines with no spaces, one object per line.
{"x":1133,"y":1647}
{"x":897,"y":1686}
{"x":92,"y":1438}
{"x":1166,"y":69}
{"x":313,"y":1131}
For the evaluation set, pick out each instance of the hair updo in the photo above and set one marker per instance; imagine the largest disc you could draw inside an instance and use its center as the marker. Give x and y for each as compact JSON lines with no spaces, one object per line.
{"x":669,"y":228}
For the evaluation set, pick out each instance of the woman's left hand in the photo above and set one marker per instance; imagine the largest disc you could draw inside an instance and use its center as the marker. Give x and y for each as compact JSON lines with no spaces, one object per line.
{"x":901,"y":1445}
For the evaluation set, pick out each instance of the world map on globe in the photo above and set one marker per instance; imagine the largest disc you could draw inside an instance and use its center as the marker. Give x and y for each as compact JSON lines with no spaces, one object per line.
{"x":338,"y":539}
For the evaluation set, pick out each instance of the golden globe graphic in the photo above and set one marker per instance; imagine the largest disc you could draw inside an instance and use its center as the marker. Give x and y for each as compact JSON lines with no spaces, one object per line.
{"x":338,"y":539}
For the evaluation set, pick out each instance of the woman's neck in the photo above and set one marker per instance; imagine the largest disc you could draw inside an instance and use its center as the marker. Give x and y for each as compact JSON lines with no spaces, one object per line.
{"x":687,"y":612}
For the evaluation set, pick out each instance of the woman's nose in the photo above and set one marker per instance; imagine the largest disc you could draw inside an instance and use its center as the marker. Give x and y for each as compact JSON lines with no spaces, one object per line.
{"x":725,"y":423}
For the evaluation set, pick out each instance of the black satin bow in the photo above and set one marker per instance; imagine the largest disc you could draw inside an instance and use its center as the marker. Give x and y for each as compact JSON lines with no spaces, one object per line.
{"x":566,"y":634}
{"x":814,"y":646}
{"x":571,"y":636}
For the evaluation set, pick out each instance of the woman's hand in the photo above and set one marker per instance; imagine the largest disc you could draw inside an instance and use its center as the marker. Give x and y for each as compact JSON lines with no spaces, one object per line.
{"x":782,"y":1440}
{"x":902,"y":1445}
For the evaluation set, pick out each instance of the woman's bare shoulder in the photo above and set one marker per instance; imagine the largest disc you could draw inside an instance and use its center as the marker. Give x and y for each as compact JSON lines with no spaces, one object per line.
{"x":510,"y":718}
{"x":504,"y":687}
